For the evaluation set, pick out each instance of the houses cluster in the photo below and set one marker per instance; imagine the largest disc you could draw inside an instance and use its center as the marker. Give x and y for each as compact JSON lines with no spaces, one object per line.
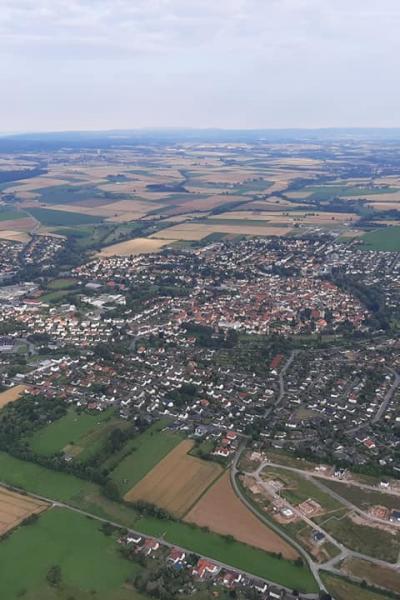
{"x":202,"y":570}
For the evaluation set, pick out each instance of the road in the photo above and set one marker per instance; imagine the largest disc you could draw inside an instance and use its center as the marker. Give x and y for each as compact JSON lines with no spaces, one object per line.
{"x":314,"y":568}
{"x":56,"y":504}
{"x":388,"y":396}
{"x":281,"y":395}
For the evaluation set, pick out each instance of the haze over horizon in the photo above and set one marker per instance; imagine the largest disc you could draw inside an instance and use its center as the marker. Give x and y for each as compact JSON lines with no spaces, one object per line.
{"x":114,"y":64}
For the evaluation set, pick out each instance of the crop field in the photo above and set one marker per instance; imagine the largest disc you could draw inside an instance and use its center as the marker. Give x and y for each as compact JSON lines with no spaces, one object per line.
{"x":136,"y":246}
{"x":15,"y":236}
{"x":147,"y":449}
{"x":11,"y":215}
{"x":177,"y":481}
{"x":221,"y":511}
{"x":25,"y":224}
{"x":15,"y":508}
{"x":58,"y":217}
{"x":385,"y":238}
{"x":11,"y":394}
{"x":77,"y":434}
{"x":285,"y":217}
{"x":89,"y":561}
{"x":373,"y":574}
{"x":198,"y":231}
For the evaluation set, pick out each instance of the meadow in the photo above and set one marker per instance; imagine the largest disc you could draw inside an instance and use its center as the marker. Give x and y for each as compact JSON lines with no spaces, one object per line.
{"x":385,"y":238}
{"x":78,"y":433}
{"x":147,"y":450}
{"x":88,"y":559}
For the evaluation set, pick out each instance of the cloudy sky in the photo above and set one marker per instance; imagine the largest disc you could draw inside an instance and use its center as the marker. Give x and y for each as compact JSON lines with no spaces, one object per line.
{"x":101,"y":64}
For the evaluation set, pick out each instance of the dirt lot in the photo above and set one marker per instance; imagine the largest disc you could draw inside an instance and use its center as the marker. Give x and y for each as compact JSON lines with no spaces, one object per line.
{"x":222,"y":511}
{"x":14,"y":508}
{"x":136,"y":246}
{"x":12,"y":394}
{"x":177,"y":481}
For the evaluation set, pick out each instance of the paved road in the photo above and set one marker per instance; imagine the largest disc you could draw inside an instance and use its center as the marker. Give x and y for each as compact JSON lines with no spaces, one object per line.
{"x":56,"y":504}
{"x":282,"y":390}
{"x":314,"y":568}
{"x":387,"y":398}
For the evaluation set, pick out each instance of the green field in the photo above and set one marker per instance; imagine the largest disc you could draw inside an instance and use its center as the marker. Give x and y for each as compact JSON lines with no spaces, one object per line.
{"x":364,"y":498}
{"x":61,"y":284}
{"x":87,"y":496}
{"x":233,"y":553}
{"x":89,"y":560}
{"x":84,"y":432}
{"x":343,"y":589}
{"x":361,"y":538}
{"x":385,"y":238}
{"x":68,"y":194}
{"x":326,"y":192}
{"x":57,"y":296}
{"x":301,"y":489}
{"x":52,"y":218}
{"x":147,"y":450}
{"x":12,"y":215}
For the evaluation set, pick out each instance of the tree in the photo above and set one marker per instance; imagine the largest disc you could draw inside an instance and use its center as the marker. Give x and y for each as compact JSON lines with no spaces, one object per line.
{"x":54,"y":576}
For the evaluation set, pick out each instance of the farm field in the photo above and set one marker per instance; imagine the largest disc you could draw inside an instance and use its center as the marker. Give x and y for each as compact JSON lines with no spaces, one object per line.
{"x":85,"y":495}
{"x":135,"y":246}
{"x":373,"y":574}
{"x":198,"y":231}
{"x":77,"y":434}
{"x":15,"y":508}
{"x":147,"y":449}
{"x":342,"y":589}
{"x":11,"y":394}
{"x":222,"y":511}
{"x":16,"y":236}
{"x":88,"y":559}
{"x":177,"y":481}
{"x":288,"y":217}
{"x":58,"y":217}
{"x":12,"y":215}
{"x":385,"y":238}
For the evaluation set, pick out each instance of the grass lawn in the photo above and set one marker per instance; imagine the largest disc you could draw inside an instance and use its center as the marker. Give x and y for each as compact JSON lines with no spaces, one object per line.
{"x":385,"y":238}
{"x":56,"y":296}
{"x":63,"y":283}
{"x":148,"y":449}
{"x":233,"y":553}
{"x":60,"y":217}
{"x":342,"y":589}
{"x":89,"y":560}
{"x":77,"y":429}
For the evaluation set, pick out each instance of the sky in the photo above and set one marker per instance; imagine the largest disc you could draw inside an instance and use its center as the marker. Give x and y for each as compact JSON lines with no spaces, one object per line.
{"x":122,"y":64}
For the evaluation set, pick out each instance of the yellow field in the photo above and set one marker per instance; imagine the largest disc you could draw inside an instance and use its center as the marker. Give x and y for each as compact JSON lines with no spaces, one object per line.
{"x":14,"y":508}
{"x":12,"y":394}
{"x":198,"y":231}
{"x":136,"y":246}
{"x":177,"y":481}
{"x":15,"y":236}
{"x":310,"y":217}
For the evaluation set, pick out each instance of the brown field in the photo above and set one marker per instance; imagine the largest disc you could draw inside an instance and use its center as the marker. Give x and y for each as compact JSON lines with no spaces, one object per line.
{"x":198,"y":231}
{"x":177,"y":481}
{"x":18,"y":224}
{"x":289,"y":217}
{"x":385,"y":205}
{"x":14,"y":508}
{"x":296,"y":195}
{"x":373,"y":574}
{"x":15,"y":236}
{"x":222,"y":511}
{"x":11,"y":395}
{"x":376,"y":198}
{"x":136,"y":246}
